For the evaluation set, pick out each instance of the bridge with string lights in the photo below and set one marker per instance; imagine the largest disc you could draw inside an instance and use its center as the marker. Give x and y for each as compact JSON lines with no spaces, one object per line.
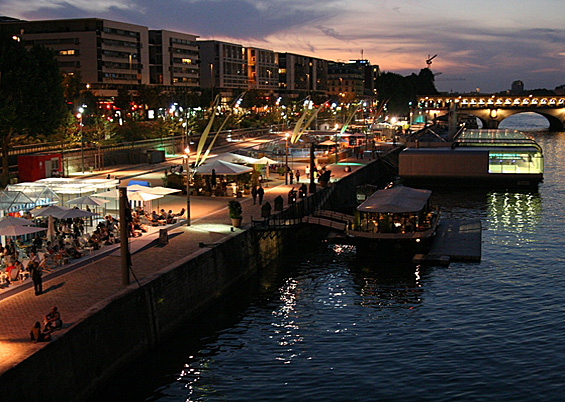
{"x":492,"y":109}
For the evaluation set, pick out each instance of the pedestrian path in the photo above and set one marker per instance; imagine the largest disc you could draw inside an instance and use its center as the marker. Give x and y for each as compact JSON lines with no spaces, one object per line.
{"x":75,"y":290}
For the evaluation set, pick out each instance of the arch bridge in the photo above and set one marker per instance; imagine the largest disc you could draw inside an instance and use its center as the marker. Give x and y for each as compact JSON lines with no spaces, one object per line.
{"x":492,"y":109}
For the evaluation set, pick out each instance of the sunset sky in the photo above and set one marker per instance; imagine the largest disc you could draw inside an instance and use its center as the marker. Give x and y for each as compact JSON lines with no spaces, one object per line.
{"x":480,"y":44}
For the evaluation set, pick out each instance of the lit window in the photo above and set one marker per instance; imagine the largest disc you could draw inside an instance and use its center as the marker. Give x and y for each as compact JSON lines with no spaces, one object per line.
{"x":68,"y":52}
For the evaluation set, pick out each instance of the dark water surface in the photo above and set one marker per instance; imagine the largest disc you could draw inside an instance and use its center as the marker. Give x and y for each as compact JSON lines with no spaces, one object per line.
{"x":326,"y":326}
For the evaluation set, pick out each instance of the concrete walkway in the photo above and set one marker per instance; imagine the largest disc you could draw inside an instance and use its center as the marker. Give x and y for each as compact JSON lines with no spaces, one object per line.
{"x":79,"y":289}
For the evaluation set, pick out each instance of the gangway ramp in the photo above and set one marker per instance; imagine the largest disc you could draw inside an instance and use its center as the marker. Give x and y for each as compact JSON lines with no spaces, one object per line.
{"x":334,"y":220}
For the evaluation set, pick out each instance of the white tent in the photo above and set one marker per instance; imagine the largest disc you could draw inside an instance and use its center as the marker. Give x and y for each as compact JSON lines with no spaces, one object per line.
{"x":232,"y":158}
{"x":264,"y":160}
{"x":222,"y":168}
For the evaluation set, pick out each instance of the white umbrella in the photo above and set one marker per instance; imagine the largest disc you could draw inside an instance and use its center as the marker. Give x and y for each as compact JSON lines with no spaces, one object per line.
{"x":19,"y":230}
{"x":142,"y":196}
{"x":232,"y":158}
{"x":13,"y":221}
{"x":222,"y":168}
{"x":159,"y":190}
{"x":87,"y":200}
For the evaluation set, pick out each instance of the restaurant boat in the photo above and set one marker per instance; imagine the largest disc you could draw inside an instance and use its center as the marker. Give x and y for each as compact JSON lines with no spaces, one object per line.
{"x":493,"y":158}
{"x":397,"y":220}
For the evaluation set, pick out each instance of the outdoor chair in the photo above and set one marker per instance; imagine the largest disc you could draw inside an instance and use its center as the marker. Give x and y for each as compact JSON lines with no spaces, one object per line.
{"x":14,"y":274}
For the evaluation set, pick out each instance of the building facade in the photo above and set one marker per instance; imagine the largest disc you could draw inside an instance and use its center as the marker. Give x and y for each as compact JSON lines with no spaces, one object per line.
{"x":302,"y":75}
{"x":352,"y":80}
{"x":262,"y":70}
{"x":107,"y":54}
{"x":223,"y":67}
{"x":174,"y":59}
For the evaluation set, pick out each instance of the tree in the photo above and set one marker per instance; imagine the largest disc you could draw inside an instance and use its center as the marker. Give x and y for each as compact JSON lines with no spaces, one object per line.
{"x":31,"y":101}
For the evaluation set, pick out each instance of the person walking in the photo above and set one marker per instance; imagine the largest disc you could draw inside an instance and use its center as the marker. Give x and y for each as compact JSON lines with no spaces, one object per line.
{"x":291,"y":175}
{"x":260,"y":193}
{"x":298,"y":175}
{"x":36,"y":273}
{"x":254,"y":194}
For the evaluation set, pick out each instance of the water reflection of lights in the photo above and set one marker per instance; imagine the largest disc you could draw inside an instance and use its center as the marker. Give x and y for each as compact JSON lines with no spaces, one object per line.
{"x":520,"y":211}
{"x":286,"y":330}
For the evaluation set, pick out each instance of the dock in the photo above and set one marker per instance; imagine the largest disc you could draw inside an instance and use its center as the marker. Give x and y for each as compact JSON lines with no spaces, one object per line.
{"x":456,"y":240}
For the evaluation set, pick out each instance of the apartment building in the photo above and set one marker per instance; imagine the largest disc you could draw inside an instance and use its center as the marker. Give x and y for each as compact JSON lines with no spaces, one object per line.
{"x":107,"y":54}
{"x":302,"y":75}
{"x":223,"y":67}
{"x":352,"y":80}
{"x":174,"y":59}
{"x":262,"y":70}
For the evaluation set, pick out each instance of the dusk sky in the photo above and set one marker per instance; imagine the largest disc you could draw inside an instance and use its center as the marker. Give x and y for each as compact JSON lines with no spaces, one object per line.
{"x":480,"y":44}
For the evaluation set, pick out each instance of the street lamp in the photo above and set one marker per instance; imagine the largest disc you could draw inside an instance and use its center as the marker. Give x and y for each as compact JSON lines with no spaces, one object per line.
{"x":286,"y":158}
{"x":186,"y":158}
{"x":79,"y":116}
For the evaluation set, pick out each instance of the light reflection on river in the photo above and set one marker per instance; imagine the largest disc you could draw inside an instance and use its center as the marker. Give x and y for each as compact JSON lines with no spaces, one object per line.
{"x":328,"y":326}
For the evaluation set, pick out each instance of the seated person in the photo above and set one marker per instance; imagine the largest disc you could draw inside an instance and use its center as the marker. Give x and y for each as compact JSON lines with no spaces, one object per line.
{"x":9,"y":270}
{"x":157,"y":219}
{"x":170,"y":217}
{"x":181,"y":213}
{"x":37,"y":335}
{"x":53,"y":320}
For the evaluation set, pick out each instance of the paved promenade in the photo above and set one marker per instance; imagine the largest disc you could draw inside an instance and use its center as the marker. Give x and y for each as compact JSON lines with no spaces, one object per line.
{"x":78,"y":291}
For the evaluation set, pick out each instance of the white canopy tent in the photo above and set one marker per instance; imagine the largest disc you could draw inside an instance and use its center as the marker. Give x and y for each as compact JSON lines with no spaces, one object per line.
{"x":222,"y":168}
{"x":232,"y":158}
{"x":264,"y":161}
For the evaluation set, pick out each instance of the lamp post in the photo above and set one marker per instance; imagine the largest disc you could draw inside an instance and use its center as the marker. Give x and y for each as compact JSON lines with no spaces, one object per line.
{"x":79,"y":115}
{"x":286,"y":159}
{"x":186,"y":158}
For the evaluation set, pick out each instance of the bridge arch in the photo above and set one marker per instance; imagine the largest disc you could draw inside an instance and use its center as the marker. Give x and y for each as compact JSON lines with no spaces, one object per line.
{"x":493,"y":109}
{"x":491,"y":118}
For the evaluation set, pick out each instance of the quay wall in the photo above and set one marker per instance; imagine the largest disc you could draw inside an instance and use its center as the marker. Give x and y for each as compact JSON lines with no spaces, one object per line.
{"x":110,"y":334}
{"x":81,"y":359}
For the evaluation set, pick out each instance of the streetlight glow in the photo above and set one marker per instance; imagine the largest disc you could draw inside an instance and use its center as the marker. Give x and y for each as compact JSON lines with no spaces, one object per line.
{"x":187,"y":158}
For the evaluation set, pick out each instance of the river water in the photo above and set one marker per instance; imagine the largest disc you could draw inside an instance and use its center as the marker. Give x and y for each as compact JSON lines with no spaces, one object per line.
{"x":323,"y":325}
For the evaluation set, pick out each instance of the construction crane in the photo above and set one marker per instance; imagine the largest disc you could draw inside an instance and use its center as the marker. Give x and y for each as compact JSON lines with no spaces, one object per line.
{"x":429,"y":60}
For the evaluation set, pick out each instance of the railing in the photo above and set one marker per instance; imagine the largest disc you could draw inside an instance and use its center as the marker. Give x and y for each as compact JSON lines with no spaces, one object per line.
{"x":295,"y":212}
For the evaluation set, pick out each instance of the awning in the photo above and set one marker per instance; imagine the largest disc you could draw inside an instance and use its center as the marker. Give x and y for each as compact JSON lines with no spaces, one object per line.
{"x":398,"y":199}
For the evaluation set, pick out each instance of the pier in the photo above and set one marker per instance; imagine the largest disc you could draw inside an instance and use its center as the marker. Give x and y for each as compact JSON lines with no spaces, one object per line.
{"x":456,"y":240}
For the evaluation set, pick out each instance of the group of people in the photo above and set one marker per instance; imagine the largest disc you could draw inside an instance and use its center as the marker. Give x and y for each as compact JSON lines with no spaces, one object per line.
{"x":51,"y":322}
{"x":257,"y":191}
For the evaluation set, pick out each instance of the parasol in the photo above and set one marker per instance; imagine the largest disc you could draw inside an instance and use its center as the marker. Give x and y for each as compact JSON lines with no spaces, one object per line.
{"x":87,"y":200}
{"x":15,"y":230}
{"x":13,"y":221}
